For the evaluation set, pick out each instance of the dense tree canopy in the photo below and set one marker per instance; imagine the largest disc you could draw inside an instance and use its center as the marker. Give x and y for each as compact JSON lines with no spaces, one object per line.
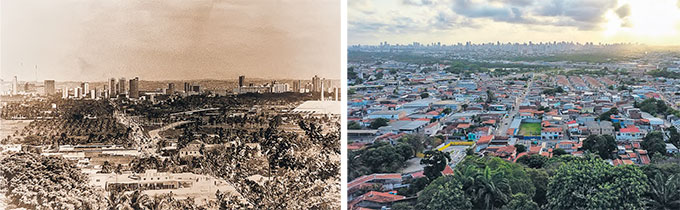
{"x":378,"y":158}
{"x":602,"y":145}
{"x":591,"y":183}
{"x":653,"y":142}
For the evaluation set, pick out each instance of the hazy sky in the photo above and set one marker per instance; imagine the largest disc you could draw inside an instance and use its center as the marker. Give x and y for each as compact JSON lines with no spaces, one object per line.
{"x":169,"y":39}
{"x":654,"y":22}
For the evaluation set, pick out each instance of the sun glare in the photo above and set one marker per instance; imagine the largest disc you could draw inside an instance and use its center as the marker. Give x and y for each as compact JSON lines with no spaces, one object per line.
{"x":651,"y":21}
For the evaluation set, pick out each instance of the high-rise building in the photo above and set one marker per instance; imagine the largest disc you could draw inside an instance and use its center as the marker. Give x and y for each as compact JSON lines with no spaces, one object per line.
{"x":322,"y":97}
{"x":297,"y":85}
{"x":316,"y":84}
{"x":122,"y":86}
{"x":196,"y":88}
{"x":93,"y":94}
{"x":14,"y":85}
{"x":86,"y":87}
{"x":112,"y":88}
{"x":171,"y":88}
{"x":241,"y":80}
{"x":134,"y":88}
{"x":279,"y":87}
{"x":64,"y":93}
{"x":187,"y":87}
{"x":49,"y":87}
{"x":77,"y":92}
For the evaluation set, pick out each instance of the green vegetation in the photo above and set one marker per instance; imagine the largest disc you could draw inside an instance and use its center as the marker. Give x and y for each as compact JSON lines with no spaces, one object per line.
{"x":353,"y":125}
{"x":607,"y":115}
{"x":663,"y":73}
{"x":656,"y":107}
{"x":591,"y":183}
{"x":553,"y":91}
{"x":380,"y":122}
{"x":378,"y":158}
{"x":602,"y":145}
{"x":533,"y":161}
{"x":584,"y":57}
{"x":563,"y":182}
{"x":435,"y":162}
{"x":653,"y":142}
{"x":530,"y":129}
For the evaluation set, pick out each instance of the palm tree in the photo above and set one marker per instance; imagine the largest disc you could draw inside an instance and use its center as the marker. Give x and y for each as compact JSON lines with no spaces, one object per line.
{"x":664,"y":192}
{"x":492,"y":189}
{"x":467,"y":176}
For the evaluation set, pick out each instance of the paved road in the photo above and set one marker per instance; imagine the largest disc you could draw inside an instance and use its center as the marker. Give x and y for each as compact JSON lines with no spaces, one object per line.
{"x":155,"y":135}
{"x":505,"y":122}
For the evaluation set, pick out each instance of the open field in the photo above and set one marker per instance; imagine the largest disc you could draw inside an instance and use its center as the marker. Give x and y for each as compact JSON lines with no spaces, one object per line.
{"x":8,"y":127}
{"x":530,"y":129}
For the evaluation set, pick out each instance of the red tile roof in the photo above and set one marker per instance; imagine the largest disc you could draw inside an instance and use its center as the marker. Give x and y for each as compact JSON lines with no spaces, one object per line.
{"x":629,"y":129}
{"x":485,"y":139}
{"x":377,"y":197}
{"x":366,"y":178}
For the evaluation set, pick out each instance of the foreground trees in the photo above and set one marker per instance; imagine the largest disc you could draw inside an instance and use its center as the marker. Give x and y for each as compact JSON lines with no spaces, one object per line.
{"x":565,"y":182}
{"x":37,"y":182}
{"x":591,"y":183}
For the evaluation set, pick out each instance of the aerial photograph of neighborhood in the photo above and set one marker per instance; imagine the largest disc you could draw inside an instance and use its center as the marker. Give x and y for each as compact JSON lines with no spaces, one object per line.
{"x":463,"y":104}
{"x":150,"y":105}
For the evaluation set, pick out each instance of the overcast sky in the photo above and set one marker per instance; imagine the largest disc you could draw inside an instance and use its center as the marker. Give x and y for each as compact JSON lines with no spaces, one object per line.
{"x":654,"y":22}
{"x":170,"y":39}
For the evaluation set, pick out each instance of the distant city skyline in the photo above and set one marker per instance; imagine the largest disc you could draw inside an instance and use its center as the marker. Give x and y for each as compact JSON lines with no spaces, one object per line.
{"x":451,"y":21}
{"x":169,"y":40}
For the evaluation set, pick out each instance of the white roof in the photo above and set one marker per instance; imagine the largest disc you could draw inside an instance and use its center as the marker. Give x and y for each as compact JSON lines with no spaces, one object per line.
{"x":319,"y":107}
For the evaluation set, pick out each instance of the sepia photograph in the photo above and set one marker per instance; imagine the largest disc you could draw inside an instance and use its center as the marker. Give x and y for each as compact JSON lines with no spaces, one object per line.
{"x":207,"y":104}
{"x":513,"y":104}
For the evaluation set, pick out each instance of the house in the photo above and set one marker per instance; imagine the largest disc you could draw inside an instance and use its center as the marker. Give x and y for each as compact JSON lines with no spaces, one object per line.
{"x":551,"y":133}
{"x":390,"y":115}
{"x":386,"y":181}
{"x":193,"y":149}
{"x":600,"y":128}
{"x":628,"y":133}
{"x":375,"y":200}
{"x":432,"y":128}
{"x":483,"y":142}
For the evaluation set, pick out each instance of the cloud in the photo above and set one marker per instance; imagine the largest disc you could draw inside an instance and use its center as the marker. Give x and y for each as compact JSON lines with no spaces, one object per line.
{"x":623,"y":11}
{"x":418,"y":2}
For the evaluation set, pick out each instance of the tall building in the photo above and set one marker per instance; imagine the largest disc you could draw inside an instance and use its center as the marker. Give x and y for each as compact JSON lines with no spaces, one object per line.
{"x":64,"y":93}
{"x":122,"y":85}
{"x":187,"y":87}
{"x":77,"y":92}
{"x":134,"y":88}
{"x":171,"y":88}
{"x":196,"y":88}
{"x":86,"y":87}
{"x":93,"y":94}
{"x":241,"y":79}
{"x":297,"y":85}
{"x":280,"y":87}
{"x":112,"y":88}
{"x":49,"y":87}
{"x":14,"y":86}
{"x":316,"y":84}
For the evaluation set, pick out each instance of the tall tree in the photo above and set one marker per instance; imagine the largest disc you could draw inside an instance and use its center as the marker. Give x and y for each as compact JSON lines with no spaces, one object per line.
{"x":664,"y":192}
{"x":435,"y":162}
{"x":603,"y":145}
{"x":591,"y":183}
{"x":653,"y":142}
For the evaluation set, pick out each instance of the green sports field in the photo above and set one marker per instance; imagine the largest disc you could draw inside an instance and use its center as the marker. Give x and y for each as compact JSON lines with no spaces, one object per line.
{"x":530,"y":129}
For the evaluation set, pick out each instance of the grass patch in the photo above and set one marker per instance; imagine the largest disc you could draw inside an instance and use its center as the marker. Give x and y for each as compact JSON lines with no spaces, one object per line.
{"x":530,"y":129}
